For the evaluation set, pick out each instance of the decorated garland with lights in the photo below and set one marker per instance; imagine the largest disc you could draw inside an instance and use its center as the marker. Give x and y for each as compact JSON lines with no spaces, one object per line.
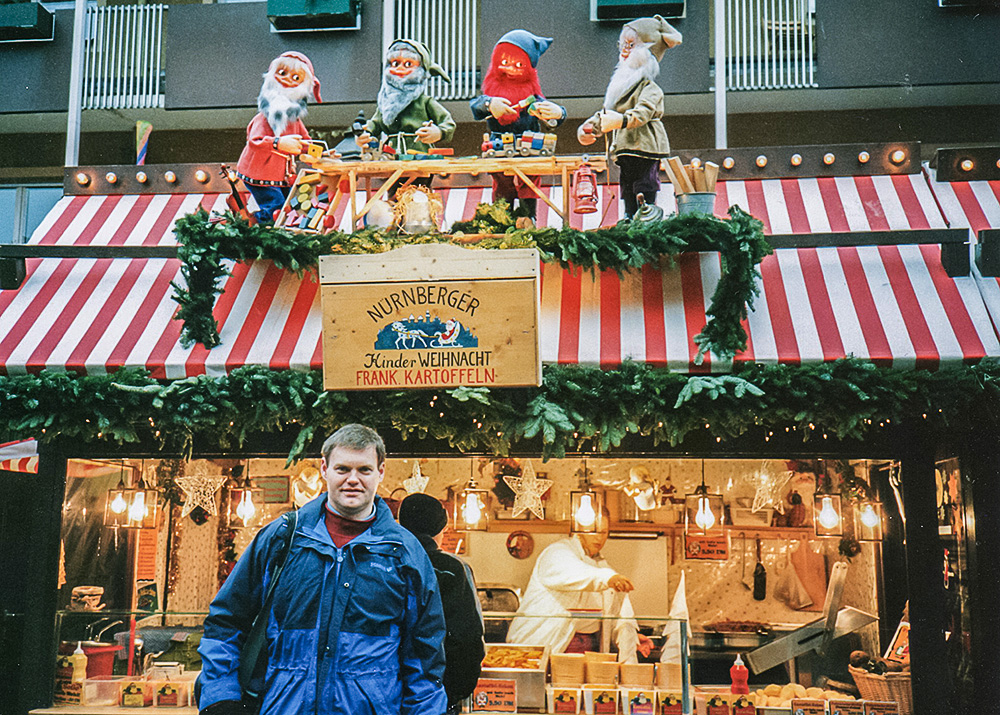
{"x":577,"y":408}
{"x":205,"y":242}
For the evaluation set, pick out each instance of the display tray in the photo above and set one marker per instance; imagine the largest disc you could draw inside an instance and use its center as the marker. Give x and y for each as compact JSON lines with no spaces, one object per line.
{"x":524,"y":664}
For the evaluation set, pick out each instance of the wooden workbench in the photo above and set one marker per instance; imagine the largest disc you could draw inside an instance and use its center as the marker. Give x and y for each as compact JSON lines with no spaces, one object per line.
{"x":335,"y":173}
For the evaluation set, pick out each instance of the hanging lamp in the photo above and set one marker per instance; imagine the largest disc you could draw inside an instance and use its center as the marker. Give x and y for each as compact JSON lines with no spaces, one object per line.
{"x":245,"y":502}
{"x":703,"y":511}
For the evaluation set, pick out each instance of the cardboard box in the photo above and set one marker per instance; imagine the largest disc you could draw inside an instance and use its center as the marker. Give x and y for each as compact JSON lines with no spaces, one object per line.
{"x":600,"y":699}
{"x":638,"y":701}
{"x":563,"y":699}
{"x":135,"y":694}
{"x":669,"y":702}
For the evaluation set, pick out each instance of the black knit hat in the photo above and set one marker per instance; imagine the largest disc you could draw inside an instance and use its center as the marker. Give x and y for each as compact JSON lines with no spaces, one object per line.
{"x":422,"y":514}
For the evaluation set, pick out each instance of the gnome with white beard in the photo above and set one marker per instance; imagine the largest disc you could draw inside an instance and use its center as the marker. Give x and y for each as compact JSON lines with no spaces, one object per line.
{"x":633,"y":106}
{"x":276,"y":133}
{"x":406,"y":115}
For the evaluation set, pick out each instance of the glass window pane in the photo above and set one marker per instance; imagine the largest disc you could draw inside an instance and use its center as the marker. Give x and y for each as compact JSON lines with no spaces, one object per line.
{"x":7,"y":202}
{"x":41,"y":199}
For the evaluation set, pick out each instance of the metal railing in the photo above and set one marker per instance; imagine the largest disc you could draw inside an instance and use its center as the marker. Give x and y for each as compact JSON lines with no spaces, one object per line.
{"x":770,"y":44}
{"x":450,"y":29}
{"x":123,"y":57}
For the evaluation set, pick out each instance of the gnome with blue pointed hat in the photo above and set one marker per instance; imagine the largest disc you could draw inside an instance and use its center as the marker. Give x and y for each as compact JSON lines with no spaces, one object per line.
{"x":512,"y":101}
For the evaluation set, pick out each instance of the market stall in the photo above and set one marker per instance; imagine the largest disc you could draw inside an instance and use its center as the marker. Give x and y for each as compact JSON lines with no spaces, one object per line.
{"x":647,"y":443}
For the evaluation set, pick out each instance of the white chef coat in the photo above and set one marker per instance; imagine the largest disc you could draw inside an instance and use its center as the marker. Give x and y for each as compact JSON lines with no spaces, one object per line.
{"x":565,"y":578}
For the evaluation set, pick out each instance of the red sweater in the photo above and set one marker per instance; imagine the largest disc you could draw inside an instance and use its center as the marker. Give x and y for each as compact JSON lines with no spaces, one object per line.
{"x":260,"y":163}
{"x":343,"y":530}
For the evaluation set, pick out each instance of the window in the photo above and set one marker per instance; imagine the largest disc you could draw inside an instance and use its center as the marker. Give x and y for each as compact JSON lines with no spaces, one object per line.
{"x":23,"y":208}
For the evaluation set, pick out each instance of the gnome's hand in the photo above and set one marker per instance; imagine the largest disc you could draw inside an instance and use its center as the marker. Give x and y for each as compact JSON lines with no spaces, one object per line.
{"x":586,"y":137}
{"x":500,"y":107}
{"x":611,"y":120}
{"x":429,"y":133}
{"x":363,"y":140}
{"x":547,"y":111}
{"x":291,"y":144}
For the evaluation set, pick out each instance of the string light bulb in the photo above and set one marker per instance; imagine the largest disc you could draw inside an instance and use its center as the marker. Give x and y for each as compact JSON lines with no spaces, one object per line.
{"x":868,"y":516}
{"x":118,"y":505}
{"x":585,"y":515}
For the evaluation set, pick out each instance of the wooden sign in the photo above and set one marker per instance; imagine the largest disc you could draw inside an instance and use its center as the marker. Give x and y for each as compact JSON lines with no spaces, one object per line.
{"x":430,"y":315}
{"x":495,"y":695}
{"x":712,"y":548}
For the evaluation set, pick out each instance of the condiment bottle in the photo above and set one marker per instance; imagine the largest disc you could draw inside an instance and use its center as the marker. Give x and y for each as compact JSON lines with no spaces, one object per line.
{"x":78,"y":662}
{"x":739,"y":675}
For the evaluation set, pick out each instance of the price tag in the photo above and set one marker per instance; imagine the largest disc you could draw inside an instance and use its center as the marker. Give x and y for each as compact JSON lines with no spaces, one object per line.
{"x":495,"y":695}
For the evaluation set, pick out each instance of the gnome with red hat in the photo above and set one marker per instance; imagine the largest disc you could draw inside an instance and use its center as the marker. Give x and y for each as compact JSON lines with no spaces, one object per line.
{"x":276,"y":133}
{"x":512,"y":101}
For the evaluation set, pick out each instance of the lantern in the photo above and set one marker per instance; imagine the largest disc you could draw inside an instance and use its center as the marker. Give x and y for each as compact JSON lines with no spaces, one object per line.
{"x":584,"y":190}
{"x":868,"y":521}
{"x":585,"y":506}
{"x":143,"y":506}
{"x":703,"y":511}
{"x":470,"y":509}
{"x":245,"y":502}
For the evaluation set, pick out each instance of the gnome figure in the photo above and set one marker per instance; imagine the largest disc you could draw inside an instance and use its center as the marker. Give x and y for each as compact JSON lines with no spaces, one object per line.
{"x":276,"y":133}
{"x":512,"y":101}
{"x":633,"y":105}
{"x":406,"y":115}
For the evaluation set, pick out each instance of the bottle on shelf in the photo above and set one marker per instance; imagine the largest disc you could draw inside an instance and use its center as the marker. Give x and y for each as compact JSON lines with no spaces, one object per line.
{"x":739,"y":675}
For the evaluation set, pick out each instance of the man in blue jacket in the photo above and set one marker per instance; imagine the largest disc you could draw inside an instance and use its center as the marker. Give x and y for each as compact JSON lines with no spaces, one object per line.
{"x":356,"y":624}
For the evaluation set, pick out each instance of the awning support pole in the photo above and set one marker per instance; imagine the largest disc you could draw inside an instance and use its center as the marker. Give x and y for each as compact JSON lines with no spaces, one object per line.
{"x":721,"y":139}
{"x":75,"y":106}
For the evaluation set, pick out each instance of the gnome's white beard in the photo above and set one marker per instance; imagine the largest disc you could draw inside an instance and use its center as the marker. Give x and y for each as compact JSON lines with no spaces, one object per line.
{"x":281,"y":105}
{"x":639,"y":65}
{"x":397,"y":94}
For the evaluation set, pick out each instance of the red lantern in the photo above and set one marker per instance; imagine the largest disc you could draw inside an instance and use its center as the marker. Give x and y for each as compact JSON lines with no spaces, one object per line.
{"x":585,"y":190}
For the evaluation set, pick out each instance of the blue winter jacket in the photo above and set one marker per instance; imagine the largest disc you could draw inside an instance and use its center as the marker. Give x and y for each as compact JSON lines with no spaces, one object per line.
{"x":352,"y":630}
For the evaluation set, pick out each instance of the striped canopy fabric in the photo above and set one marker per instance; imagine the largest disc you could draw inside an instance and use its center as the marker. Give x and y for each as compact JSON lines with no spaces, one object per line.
{"x":974,"y":205}
{"x":891,"y":304}
{"x":19,"y":456}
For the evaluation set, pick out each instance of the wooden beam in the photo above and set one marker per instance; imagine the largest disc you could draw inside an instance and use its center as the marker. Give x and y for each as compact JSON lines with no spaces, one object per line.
{"x":531,"y":185}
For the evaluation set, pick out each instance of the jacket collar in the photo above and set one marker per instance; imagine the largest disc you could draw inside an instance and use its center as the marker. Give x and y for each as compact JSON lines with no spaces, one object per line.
{"x":312,"y":524}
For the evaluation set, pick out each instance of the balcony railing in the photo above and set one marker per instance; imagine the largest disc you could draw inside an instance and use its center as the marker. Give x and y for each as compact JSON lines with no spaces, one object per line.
{"x":770,"y":44}
{"x":123,"y":57}
{"x":450,"y":29}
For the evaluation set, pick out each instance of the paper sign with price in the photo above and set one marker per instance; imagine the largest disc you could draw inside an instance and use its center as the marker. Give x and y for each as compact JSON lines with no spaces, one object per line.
{"x":495,"y":695}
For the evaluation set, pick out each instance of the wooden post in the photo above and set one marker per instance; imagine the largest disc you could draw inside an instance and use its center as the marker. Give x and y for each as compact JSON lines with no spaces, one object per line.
{"x":353,"y":179}
{"x":566,"y":188}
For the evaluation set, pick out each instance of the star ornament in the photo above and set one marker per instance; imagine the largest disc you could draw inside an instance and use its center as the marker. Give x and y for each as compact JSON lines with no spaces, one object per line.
{"x":416,"y":482}
{"x":200,"y":491}
{"x":528,"y":490}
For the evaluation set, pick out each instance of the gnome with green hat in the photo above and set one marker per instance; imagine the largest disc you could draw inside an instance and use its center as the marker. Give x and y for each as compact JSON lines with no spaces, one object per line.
{"x":406,"y":116}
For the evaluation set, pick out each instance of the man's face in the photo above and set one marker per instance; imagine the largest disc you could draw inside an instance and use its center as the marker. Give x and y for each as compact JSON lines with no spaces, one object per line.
{"x":401,"y":64}
{"x":593,"y":543}
{"x":512,"y":64}
{"x":352,"y":476}
{"x":289,"y":74}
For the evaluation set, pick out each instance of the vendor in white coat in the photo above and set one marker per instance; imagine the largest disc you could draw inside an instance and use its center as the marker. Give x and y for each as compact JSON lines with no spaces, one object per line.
{"x":569,"y":575}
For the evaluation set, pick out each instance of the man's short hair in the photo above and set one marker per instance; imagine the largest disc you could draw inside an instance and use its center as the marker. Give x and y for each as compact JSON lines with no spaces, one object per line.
{"x":355,"y":437}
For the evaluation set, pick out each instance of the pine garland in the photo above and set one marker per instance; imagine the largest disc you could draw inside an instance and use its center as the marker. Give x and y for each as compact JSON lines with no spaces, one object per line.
{"x":205,"y":243}
{"x":577,"y":408}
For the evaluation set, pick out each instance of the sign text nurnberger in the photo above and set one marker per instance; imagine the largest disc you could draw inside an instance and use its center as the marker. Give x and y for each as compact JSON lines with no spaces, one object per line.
{"x":465,"y":317}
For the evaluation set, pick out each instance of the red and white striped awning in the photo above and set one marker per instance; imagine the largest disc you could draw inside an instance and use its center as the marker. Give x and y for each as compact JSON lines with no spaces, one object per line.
{"x":19,"y":456}
{"x":891,"y":304}
{"x":974,"y":205}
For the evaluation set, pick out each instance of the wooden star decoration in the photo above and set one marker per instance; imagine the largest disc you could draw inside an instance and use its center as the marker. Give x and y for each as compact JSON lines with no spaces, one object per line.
{"x":416,"y":482}
{"x":199,"y":490}
{"x":528,"y":490}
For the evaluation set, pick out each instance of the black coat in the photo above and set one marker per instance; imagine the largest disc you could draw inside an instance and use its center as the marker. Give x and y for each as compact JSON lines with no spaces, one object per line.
{"x":463,"y":645}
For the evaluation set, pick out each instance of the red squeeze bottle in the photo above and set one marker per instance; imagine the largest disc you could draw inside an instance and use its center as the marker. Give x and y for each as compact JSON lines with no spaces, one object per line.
{"x":739,"y":675}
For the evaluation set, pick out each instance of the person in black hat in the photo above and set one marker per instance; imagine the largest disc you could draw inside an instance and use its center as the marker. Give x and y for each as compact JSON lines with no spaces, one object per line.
{"x":464,"y":650}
